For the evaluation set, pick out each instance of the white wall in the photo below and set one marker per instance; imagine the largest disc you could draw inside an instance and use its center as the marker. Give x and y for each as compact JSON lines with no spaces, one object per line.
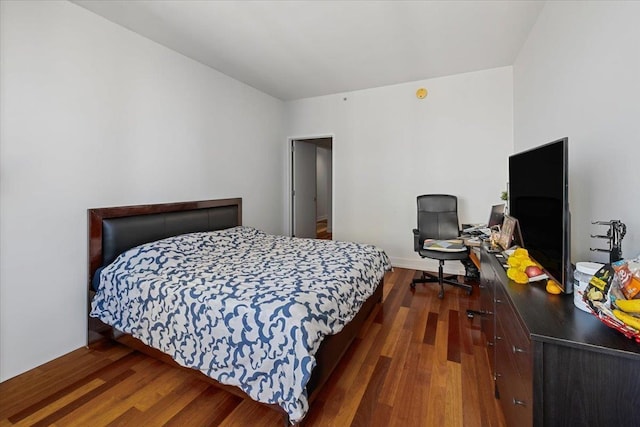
{"x":323,"y":176}
{"x":390,"y":147}
{"x":329,"y":186}
{"x":578,"y":75}
{"x":94,"y":115}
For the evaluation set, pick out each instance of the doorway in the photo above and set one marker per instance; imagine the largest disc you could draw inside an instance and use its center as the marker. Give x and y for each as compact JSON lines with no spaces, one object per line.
{"x":311,"y":187}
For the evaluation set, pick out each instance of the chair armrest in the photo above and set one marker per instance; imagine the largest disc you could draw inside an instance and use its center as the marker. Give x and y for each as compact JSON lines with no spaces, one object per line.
{"x":416,"y":239}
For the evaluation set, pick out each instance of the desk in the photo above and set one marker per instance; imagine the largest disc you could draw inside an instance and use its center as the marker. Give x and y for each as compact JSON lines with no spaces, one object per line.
{"x":474,"y":258}
{"x":474,"y":249}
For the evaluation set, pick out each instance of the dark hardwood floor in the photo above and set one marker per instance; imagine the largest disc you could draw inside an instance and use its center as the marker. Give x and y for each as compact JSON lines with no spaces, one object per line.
{"x":418,"y":362}
{"x":321,"y":230}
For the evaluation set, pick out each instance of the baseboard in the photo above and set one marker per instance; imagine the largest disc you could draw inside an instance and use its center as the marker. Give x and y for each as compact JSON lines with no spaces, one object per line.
{"x":425,"y":264}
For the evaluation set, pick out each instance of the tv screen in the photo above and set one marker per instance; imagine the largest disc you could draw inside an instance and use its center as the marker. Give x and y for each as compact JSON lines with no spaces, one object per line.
{"x":539,"y":200}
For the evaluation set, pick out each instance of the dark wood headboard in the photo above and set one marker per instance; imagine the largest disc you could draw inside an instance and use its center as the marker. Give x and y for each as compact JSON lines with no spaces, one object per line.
{"x":116,"y":229}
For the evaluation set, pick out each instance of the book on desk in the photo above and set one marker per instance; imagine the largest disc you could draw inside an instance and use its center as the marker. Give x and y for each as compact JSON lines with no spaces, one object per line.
{"x":473,"y":241}
{"x":451,"y":245}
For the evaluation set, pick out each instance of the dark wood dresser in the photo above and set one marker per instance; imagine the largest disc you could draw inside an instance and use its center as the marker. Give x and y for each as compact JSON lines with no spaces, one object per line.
{"x":553,"y":364}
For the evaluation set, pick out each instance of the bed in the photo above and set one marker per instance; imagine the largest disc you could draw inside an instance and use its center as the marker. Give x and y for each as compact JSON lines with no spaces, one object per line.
{"x":261,"y":316}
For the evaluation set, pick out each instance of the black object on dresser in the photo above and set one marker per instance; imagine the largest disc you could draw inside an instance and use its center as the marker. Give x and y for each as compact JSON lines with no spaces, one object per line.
{"x":553,"y":364}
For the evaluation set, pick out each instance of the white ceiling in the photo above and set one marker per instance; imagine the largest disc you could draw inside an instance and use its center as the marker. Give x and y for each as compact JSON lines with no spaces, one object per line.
{"x":300,"y":49}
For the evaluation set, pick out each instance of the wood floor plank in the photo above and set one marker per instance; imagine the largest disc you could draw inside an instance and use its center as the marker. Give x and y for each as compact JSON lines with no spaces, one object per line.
{"x":28,"y":389}
{"x":431,"y":329}
{"x":249,"y":413}
{"x":407,"y":299}
{"x":104,"y":370}
{"x":58,"y":415}
{"x":436,"y":400}
{"x":453,"y":401}
{"x":211,"y":407}
{"x":382,"y":415}
{"x":417,"y":362}
{"x":442,"y":337}
{"x":165,"y":408}
{"x":491,"y":412}
{"x":392,"y":336}
{"x":453,"y":337}
{"x":471,"y":411}
{"x":391,"y":384}
{"x":128,"y":418}
{"x":419,"y":407}
{"x":368,"y":404}
{"x":435,"y":414}
{"x":426,"y":363}
{"x":111,"y":403}
{"x":407,"y":398}
{"x":64,"y":400}
{"x":157,"y":388}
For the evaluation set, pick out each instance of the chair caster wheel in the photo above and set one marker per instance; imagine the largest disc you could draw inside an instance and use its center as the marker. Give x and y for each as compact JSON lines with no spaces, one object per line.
{"x":469,"y":315}
{"x":469,"y":292}
{"x":440,"y":295}
{"x":413,"y":285}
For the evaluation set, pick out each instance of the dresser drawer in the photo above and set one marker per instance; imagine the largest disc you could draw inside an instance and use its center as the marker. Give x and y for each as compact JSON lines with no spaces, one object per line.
{"x":516,"y":402}
{"x":514,"y":387}
{"x":516,"y":340}
{"x":514,"y":363}
{"x":487,"y":320}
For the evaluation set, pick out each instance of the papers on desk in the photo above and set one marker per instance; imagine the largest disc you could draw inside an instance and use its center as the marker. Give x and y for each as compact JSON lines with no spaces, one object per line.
{"x":472,"y":240}
{"x":453,"y":245}
{"x":540,"y":277}
{"x":478,"y":230}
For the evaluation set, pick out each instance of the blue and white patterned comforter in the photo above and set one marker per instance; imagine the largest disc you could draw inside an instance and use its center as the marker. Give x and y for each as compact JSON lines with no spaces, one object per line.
{"x":246,"y":308}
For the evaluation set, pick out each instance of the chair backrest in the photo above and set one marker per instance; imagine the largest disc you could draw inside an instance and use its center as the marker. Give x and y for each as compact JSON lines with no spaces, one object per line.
{"x":438,"y":217}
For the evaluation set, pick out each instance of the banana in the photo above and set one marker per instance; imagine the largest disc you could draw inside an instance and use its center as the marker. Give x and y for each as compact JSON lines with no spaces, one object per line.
{"x":627,"y":319}
{"x":629,"y":305}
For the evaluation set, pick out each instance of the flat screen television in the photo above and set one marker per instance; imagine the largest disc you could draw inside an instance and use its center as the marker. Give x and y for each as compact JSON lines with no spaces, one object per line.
{"x":539,"y":200}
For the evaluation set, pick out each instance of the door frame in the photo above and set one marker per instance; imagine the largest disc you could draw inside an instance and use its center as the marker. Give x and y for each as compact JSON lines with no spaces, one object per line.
{"x":289,"y":191}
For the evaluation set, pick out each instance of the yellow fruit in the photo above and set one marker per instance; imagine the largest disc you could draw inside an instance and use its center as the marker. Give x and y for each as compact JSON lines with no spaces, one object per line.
{"x":514,"y":261}
{"x":629,"y":305}
{"x":628,"y":319}
{"x":517,"y":275}
{"x":521,"y":253}
{"x":553,"y":288}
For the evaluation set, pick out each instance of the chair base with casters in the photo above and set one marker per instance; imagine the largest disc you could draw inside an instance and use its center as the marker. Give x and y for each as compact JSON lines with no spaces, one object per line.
{"x":438,"y":220}
{"x":441,"y":279}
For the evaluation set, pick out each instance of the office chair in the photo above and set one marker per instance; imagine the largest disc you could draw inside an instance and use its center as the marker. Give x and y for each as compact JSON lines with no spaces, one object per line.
{"x":438,"y":219}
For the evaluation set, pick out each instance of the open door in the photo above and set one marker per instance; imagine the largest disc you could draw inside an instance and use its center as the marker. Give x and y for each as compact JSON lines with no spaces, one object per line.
{"x":304,"y":188}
